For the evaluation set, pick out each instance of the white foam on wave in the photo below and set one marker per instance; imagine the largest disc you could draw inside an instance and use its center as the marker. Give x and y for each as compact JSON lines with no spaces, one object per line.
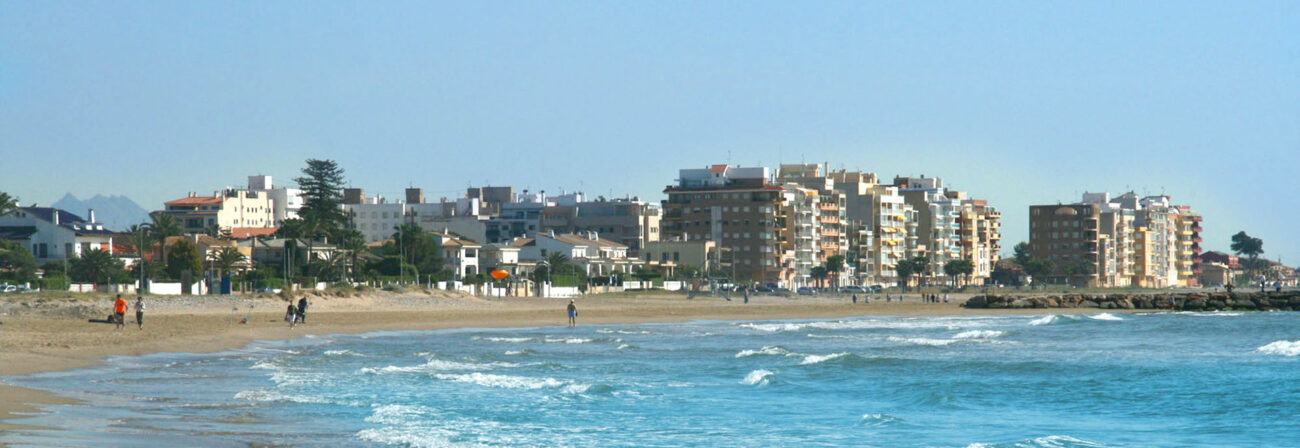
{"x":877,"y":419}
{"x":271,"y":395}
{"x":341,"y":353}
{"x":505,"y":339}
{"x":517,"y":352}
{"x":757,"y":378}
{"x":626,"y":346}
{"x":817,"y":359}
{"x":1053,"y":441}
{"x":949,"y":323}
{"x":574,"y":340}
{"x":504,"y":381}
{"x":1283,"y":348}
{"x":979,"y":334}
{"x":769,"y":350}
{"x":1045,"y":320}
{"x":923,"y":341}
{"x":411,"y":438}
{"x":1105,"y":316}
{"x":436,"y":365}
{"x":1211,"y":313}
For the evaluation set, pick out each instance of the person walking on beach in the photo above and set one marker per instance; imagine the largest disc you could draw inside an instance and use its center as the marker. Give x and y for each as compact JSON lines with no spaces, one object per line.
{"x":855,"y":298}
{"x":302,"y":310}
{"x":746,"y":294}
{"x":139,"y":312}
{"x":119,"y":311}
{"x":291,"y":315}
{"x":573,"y":314}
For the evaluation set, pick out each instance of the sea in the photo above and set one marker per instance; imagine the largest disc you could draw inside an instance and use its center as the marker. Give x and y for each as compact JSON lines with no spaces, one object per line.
{"x":1225,"y":379}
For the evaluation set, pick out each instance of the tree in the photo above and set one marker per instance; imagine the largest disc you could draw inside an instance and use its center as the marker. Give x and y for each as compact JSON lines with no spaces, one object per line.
{"x":955,"y":268}
{"x":834,"y":266}
{"x":1078,"y":268}
{"x":96,"y":266}
{"x":164,"y":226}
{"x":354,"y":243}
{"x":226,"y":259}
{"x":645,"y":275}
{"x":1038,"y":269}
{"x":1250,"y":247}
{"x":418,"y":247}
{"x":1022,"y":254}
{"x":184,"y":256}
{"x":8,"y":204}
{"x":16,"y":262}
{"x":909,"y":267}
{"x":818,"y":273}
{"x":322,"y":193}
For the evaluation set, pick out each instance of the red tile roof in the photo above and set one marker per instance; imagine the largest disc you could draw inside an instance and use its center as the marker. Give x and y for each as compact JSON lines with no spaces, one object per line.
{"x":240,"y":233}
{"x":717,"y":168}
{"x":195,"y":200}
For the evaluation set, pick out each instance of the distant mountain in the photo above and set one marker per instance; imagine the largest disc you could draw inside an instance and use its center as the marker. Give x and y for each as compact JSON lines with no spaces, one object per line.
{"x":115,"y":212}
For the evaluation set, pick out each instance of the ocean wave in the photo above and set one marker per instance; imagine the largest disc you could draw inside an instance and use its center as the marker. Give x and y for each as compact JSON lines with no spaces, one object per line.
{"x":769,"y":350}
{"x":923,"y":341}
{"x":572,"y":340}
{"x":504,"y":339}
{"x":757,"y":378}
{"x":877,"y":420}
{"x":1105,"y":316}
{"x":979,"y":334}
{"x":627,"y":347}
{"x":504,"y":381}
{"x":1283,"y":348}
{"x":1211,"y":313}
{"x":410,"y":438}
{"x":818,"y":359}
{"x":436,"y":365}
{"x":1045,"y":320}
{"x":341,"y":353}
{"x":520,"y":352}
{"x":869,"y":324}
{"x":1044,"y":442}
{"x":271,"y":395}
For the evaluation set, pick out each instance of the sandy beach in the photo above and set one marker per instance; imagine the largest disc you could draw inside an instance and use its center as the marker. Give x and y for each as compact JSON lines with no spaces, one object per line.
{"x":41,"y":335}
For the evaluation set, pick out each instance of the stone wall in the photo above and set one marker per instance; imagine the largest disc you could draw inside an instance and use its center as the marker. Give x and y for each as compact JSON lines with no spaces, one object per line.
{"x":1254,"y":301}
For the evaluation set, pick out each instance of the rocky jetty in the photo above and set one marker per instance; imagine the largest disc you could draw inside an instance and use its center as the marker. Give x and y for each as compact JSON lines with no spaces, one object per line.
{"x":1250,"y":301}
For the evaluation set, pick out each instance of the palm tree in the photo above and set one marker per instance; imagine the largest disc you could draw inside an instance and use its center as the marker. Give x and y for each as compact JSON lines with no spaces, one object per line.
{"x":226,"y":259}
{"x":96,"y":266}
{"x":8,"y":204}
{"x":164,"y":226}
{"x":354,"y":243}
{"x":956,"y":268}
{"x":834,"y":266}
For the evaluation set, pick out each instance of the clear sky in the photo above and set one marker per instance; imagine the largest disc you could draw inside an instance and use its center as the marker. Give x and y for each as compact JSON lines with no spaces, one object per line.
{"x":1017,"y":102}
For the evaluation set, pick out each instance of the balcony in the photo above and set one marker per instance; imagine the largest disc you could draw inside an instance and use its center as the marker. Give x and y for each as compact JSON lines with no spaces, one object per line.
{"x":1197,"y":229}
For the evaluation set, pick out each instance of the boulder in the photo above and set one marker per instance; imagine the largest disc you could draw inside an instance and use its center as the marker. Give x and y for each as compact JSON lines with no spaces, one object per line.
{"x":1089,"y":304}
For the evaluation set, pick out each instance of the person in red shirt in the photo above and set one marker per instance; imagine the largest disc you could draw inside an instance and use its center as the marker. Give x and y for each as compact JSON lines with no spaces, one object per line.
{"x":119,"y":311}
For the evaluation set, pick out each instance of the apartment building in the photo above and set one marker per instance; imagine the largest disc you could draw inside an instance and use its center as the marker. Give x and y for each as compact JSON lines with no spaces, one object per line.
{"x":880,"y":216}
{"x":1067,"y":235}
{"x":1138,"y":241}
{"x":822,"y":226}
{"x":227,"y":209}
{"x":53,"y":234}
{"x":739,"y":208}
{"x":628,"y":221}
{"x":285,"y":202}
{"x":950,"y":225}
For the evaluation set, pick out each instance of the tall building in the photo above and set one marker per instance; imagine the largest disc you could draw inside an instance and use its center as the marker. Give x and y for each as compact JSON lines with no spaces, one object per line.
{"x":951,"y":226}
{"x":830,"y":230}
{"x":880,"y":216}
{"x":739,"y":208}
{"x":1067,"y":235}
{"x":1135,"y":241}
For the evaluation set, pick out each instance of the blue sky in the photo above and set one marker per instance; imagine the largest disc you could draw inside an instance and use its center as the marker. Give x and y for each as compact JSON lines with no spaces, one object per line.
{"x":1017,"y":102}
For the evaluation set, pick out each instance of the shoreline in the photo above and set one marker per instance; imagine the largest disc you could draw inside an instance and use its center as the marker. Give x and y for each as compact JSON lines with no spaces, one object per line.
{"x":58,"y":338}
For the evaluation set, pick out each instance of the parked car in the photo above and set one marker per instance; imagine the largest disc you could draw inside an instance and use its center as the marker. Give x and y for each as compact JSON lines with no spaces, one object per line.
{"x":806,"y":291}
{"x":853,"y":290}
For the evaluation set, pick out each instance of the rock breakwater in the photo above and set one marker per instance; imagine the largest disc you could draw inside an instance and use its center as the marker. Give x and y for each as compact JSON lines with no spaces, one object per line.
{"x":1247,"y":301}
